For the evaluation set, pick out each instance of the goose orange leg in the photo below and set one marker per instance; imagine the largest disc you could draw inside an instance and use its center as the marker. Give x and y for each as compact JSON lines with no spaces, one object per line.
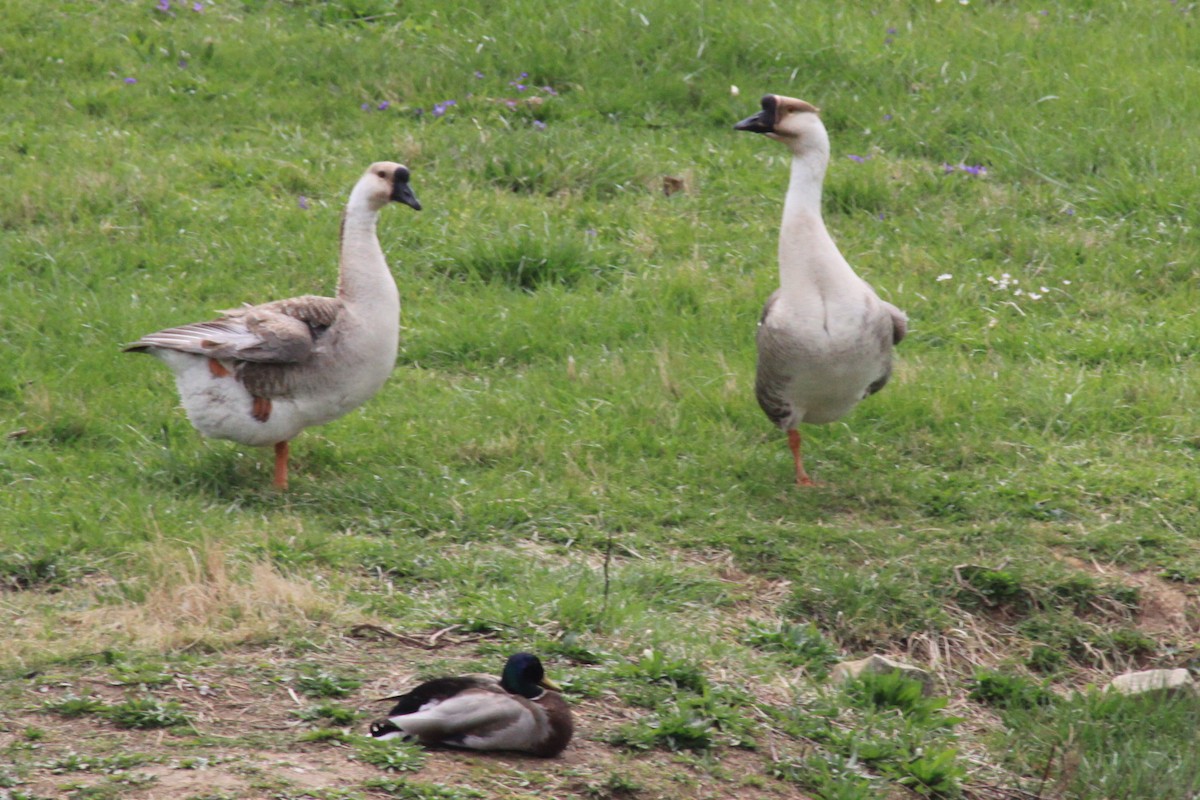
{"x":802,"y":478}
{"x":282,"y":450}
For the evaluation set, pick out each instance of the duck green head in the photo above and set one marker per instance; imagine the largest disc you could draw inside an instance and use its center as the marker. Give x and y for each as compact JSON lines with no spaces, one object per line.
{"x":523,"y":674}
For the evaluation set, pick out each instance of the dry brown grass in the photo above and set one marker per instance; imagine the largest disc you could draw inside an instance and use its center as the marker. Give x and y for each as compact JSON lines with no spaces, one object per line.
{"x":189,"y":599}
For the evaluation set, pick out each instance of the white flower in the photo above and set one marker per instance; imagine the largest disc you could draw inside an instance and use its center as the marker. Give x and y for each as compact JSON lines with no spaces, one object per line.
{"x":945,"y":276}
{"x":733,"y":90}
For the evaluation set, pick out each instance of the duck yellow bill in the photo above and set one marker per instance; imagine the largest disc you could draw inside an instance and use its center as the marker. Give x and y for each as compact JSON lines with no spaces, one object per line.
{"x":549,"y":684}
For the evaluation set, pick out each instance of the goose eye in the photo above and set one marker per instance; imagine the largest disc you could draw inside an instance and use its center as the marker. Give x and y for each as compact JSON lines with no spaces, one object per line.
{"x":382,"y":174}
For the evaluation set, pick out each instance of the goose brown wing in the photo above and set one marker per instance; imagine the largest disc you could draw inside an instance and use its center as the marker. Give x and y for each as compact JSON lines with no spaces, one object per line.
{"x":283,"y":332}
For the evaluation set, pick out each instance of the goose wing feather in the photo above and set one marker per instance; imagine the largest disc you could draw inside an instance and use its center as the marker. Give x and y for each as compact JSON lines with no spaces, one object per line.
{"x":282,"y":332}
{"x":899,"y":322}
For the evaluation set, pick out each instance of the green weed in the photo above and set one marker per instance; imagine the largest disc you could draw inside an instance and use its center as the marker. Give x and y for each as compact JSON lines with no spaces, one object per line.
{"x":1007,"y":691}
{"x":74,"y":706}
{"x":316,"y":682}
{"x":390,"y":755}
{"x":894,"y":690}
{"x":20,"y":572}
{"x":147,"y":712}
{"x":328,"y":714}
{"x":75,"y":762}
{"x":828,"y":777}
{"x":142,"y":674}
{"x":690,"y":723}
{"x":420,"y":790}
{"x":800,"y":645}
{"x":1100,"y":745}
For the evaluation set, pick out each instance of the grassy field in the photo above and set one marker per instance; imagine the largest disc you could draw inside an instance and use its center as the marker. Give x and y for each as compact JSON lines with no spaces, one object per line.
{"x":568,"y":458}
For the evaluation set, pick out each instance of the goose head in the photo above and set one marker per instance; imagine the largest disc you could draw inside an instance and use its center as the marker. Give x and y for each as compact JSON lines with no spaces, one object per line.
{"x":386,"y":182}
{"x":523,"y":674}
{"x":793,"y":122}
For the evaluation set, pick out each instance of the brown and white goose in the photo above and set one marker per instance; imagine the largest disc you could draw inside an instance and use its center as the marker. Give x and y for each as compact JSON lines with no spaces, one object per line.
{"x":825,"y":338}
{"x":261,"y":374}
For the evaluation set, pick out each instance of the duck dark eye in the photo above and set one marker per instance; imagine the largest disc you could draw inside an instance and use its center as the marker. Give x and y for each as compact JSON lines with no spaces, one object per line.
{"x":381,"y":174}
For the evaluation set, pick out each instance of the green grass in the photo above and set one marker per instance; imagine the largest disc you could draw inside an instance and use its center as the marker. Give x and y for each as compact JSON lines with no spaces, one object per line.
{"x":577,"y":355}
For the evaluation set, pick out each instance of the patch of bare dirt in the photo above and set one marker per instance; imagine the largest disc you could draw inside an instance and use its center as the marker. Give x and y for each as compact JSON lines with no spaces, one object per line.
{"x":247,"y":739}
{"x":1164,"y":610}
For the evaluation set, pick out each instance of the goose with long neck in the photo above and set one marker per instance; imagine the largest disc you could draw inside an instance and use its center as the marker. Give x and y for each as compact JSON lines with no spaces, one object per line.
{"x":825,"y":338}
{"x":260,"y":374}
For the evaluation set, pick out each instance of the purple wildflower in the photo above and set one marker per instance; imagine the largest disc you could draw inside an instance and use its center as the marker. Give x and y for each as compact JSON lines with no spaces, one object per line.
{"x":550,"y":91}
{"x":183,"y":63}
{"x":302,"y":201}
{"x":591,"y":232}
{"x":541,"y":126}
{"x":164,"y":5}
{"x":887,"y":117}
{"x":510,"y":103}
{"x":858,"y":159}
{"x":520,"y":87}
{"x":977,"y":169}
{"x":524,"y":75}
{"x":891,"y":31}
{"x":131,"y":80}
{"x":947,"y":168}
{"x":440,"y":108}
{"x":197,"y":7}
{"x":384,"y":105}
{"x":366,"y":106}
{"x":478,"y":74}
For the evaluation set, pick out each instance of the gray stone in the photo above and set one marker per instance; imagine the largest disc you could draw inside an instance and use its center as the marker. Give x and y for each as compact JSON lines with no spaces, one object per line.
{"x":877,"y":664}
{"x":1162,"y":681}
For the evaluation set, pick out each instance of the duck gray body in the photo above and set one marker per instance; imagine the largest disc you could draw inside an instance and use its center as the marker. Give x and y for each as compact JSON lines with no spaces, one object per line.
{"x":523,"y":711}
{"x":825,"y":337}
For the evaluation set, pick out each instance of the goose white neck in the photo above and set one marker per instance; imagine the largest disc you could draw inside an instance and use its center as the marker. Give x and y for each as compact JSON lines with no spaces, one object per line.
{"x":363,"y":271}
{"x":808,"y":256}
{"x":804,"y":185}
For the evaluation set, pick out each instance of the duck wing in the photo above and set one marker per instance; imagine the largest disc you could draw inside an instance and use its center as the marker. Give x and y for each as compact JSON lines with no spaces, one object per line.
{"x":435,"y":691}
{"x":475,"y":714}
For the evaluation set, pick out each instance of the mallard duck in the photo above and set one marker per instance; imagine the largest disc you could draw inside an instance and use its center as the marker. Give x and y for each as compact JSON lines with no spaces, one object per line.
{"x":521,"y":711}
{"x":825,"y":338}
{"x":261,"y":374}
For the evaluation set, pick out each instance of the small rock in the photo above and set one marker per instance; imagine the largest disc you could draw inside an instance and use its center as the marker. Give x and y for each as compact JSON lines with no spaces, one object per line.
{"x":1164,"y":681}
{"x":877,"y":664}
